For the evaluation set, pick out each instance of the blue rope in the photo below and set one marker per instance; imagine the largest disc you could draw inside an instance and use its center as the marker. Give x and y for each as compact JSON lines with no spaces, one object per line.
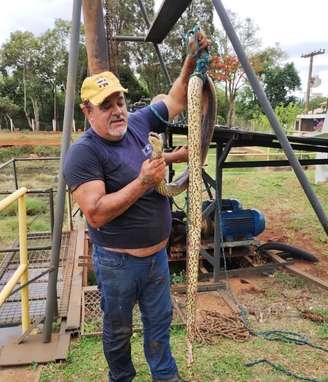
{"x":284,"y":370}
{"x":201,"y":56}
{"x":270,"y":335}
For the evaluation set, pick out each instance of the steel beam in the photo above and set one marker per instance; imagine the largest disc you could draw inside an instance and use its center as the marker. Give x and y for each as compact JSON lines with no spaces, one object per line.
{"x":267,"y":108}
{"x":167,"y":16}
{"x":272,"y":163}
{"x":66,"y":139}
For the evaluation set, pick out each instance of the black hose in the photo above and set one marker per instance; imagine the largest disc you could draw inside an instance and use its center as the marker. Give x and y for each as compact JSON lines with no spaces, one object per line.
{"x":289,"y":250}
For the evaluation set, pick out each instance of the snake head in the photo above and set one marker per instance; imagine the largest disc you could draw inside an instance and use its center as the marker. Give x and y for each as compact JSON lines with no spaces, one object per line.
{"x":157,"y":144}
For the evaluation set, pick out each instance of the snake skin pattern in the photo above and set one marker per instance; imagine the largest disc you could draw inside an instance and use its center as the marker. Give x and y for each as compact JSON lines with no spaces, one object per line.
{"x":208,"y":116}
{"x":201,"y":121}
{"x":194,"y":206}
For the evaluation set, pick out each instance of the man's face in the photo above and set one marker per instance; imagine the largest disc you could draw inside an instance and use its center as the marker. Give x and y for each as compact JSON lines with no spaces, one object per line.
{"x":110,"y":118}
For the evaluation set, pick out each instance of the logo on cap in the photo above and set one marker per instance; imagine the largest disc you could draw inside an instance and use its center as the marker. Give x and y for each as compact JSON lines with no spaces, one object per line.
{"x":102,"y":82}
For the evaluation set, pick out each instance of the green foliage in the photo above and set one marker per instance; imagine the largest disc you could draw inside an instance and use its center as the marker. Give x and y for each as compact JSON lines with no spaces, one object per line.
{"x":8,"y":153}
{"x":322,"y":311}
{"x":279,"y":82}
{"x":34,"y":74}
{"x":286,"y":116}
{"x":15,"y":152}
{"x":289,"y":281}
{"x":316,"y":102}
{"x":179,"y":278}
{"x":128,"y":79}
{"x":34,"y":206}
{"x":323,"y":331}
{"x":228,"y":365}
{"x":222,"y":106}
{"x":44,"y":151}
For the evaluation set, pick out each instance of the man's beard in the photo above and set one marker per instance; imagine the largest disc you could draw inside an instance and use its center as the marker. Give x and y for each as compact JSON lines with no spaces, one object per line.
{"x":115,"y":131}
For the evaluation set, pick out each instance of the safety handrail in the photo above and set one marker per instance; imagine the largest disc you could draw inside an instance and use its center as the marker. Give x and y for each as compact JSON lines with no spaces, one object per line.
{"x":21,"y":273}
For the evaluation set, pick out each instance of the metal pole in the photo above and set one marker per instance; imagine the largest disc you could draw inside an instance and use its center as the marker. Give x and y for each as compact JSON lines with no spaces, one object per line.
{"x":258,"y":90}
{"x":60,"y":198}
{"x":161,"y":61}
{"x":308,"y":89}
{"x":218,"y":239}
{"x":69,"y":210}
{"x":51,"y":209}
{"x":15,"y":173}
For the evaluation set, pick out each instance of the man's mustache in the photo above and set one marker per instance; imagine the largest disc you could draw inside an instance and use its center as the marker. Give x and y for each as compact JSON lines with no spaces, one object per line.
{"x":118,"y":118}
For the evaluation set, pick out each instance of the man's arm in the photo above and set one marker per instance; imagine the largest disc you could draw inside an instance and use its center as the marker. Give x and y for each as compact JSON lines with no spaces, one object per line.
{"x":100,"y":208}
{"x":179,"y":155}
{"x":176,"y":100}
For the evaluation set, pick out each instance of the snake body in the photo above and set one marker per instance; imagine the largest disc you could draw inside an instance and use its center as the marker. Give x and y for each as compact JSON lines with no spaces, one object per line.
{"x":201,"y":121}
{"x":207,"y":114}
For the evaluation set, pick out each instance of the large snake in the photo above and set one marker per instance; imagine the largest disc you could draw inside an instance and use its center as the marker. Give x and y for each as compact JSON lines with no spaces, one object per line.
{"x":201,"y":121}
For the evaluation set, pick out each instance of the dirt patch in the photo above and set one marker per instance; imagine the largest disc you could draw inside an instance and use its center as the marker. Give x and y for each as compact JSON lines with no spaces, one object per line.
{"x":30,"y":139}
{"x":243,"y":285}
{"x":277,"y":231}
{"x":19,"y":374}
{"x":205,"y":300}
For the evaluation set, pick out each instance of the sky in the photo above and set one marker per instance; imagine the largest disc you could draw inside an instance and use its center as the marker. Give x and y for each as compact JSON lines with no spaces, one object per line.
{"x":299,"y":27}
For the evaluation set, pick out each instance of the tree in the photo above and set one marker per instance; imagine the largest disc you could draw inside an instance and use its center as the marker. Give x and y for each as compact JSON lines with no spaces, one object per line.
{"x":226,"y":68}
{"x":173,"y":48}
{"x":279,"y":82}
{"x":54,"y":60}
{"x":19,"y":57}
{"x":7,"y":110}
{"x":277,"y":78}
{"x":318,"y":103}
{"x":128,"y":80}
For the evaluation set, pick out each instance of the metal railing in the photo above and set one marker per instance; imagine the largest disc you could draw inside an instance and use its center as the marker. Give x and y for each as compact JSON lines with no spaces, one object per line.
{"x":21,"y":273}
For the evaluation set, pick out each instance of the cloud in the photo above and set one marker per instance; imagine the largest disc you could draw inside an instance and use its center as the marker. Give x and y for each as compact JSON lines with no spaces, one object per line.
{"x":34,"y":15}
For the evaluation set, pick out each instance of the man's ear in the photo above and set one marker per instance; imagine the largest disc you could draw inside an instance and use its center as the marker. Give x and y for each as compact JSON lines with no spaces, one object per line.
{"x":86,"y":109}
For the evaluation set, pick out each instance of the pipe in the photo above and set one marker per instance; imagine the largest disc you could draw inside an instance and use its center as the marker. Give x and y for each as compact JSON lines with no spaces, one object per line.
{"x":66,"y":138}
{"x":258,"y":90}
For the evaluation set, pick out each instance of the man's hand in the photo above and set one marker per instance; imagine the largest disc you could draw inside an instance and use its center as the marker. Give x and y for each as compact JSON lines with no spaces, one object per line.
{"x":152,"y":172}
{"x":180,"y":154}
{"x":202,"y":42}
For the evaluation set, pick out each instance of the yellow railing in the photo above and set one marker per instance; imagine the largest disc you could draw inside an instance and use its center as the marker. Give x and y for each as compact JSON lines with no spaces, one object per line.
{"x":21,"y":273}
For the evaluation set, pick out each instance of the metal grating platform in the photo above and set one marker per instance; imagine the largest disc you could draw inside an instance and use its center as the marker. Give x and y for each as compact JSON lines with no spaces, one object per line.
{"x":91,"y":324}
{"x":39,"y":261}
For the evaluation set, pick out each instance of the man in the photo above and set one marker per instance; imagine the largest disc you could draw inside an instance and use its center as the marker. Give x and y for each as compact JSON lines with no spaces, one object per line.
{"x":112,"y":179}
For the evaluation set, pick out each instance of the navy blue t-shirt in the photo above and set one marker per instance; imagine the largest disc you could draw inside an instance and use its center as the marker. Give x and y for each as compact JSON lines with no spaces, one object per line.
{"x":91,"y":157}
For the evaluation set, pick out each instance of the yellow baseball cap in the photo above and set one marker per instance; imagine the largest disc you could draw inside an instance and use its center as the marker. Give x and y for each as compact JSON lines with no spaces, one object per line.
{"x":99,"y":86}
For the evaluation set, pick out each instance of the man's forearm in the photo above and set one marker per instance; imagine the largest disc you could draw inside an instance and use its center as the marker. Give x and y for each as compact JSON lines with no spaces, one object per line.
{"x":175,"y":157}
{"x":116,"y":203}
{"x":178,"y":92}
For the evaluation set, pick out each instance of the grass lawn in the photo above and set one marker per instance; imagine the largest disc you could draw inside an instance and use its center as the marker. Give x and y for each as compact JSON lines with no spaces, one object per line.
{"x":278,"y":194}
{"x":224,"y":361}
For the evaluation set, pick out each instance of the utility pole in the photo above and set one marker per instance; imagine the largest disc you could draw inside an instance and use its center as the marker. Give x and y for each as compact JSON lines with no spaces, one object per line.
{"x":308,"y":90}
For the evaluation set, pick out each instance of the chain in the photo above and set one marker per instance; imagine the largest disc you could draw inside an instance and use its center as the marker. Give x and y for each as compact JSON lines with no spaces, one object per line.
{"x":215,"y":324}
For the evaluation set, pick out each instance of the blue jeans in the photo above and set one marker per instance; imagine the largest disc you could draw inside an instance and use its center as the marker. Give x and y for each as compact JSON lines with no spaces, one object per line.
{"x":124,"y":280}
